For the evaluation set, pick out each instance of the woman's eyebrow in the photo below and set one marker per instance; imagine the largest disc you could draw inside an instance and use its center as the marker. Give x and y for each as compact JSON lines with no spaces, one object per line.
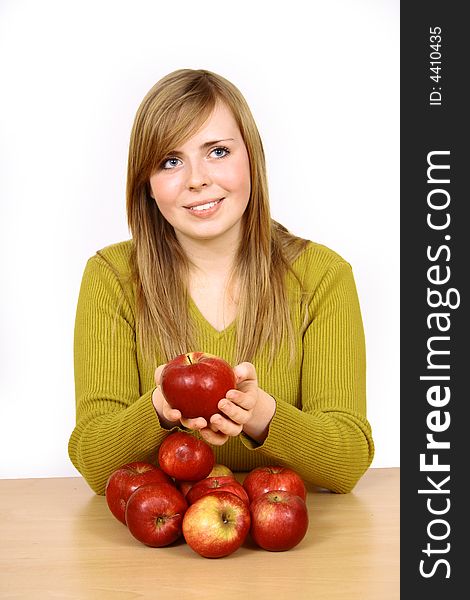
{"x":207,"y":144}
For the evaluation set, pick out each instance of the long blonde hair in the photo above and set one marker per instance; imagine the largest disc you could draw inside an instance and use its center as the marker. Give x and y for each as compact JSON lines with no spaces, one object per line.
{"x":171,"y":113}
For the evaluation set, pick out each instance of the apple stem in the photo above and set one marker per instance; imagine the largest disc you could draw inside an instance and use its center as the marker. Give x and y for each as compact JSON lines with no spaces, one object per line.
{"x":188,"y":356}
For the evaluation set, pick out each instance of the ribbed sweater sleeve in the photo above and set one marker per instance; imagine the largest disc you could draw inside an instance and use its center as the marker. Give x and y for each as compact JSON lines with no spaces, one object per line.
{"x":328,"y":441}
{"x":115,"y":423}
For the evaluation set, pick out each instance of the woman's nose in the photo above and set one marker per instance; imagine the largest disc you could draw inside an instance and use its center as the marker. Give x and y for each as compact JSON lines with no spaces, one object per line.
{"x":198,"y":176}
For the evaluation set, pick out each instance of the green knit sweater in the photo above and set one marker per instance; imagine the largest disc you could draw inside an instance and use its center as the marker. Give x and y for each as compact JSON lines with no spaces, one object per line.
{"x":319,"y":427}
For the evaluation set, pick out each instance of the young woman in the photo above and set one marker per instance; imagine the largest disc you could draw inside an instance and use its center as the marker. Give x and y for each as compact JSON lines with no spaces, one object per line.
{"x":208,"y":269}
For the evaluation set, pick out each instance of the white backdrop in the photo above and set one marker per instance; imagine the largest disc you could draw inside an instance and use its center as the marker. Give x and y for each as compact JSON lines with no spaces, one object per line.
{"x":322,"y":79}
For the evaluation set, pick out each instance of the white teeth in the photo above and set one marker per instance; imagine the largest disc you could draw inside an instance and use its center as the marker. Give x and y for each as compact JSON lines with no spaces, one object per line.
{"x":205,"y":206}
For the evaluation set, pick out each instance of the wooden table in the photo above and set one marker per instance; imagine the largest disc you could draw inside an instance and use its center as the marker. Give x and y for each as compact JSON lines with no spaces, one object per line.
{"x":59,"y":540}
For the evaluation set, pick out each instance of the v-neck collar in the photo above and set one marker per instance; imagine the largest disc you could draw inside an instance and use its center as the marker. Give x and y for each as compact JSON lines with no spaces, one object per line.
{"x":200,"y":318}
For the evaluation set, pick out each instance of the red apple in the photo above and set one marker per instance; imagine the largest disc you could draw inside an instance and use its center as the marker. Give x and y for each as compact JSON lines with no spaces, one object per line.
{"x":154,"y":514}
{"x":217,"y":524}
{"x":211,"y":484}
{"x":125,"y":480}
{"x":279,"y":520}
{"x":184,"y":486}
{"x":265,"y":479}
{"x":219,"y":470}
{"x":194,"y":383}
{"x":185,"y":457}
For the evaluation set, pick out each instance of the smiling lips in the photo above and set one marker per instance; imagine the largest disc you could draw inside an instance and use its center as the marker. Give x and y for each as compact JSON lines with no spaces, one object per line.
{"x":204,"y":208}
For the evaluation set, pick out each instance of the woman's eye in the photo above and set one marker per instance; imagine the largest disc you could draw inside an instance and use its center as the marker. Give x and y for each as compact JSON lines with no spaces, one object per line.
{"x":170,"y":163}
{"x":173,"y":161}
{"x":221,"y":151}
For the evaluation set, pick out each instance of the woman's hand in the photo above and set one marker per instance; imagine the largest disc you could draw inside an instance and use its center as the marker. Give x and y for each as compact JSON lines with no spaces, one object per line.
{"x":247,"y":408}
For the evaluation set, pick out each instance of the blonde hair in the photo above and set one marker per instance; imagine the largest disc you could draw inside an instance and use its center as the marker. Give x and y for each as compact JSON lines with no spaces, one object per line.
{"x":172,"y":112}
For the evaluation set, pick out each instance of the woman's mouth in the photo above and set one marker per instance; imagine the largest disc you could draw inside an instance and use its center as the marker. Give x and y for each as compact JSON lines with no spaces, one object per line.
{"x":205,"y":209}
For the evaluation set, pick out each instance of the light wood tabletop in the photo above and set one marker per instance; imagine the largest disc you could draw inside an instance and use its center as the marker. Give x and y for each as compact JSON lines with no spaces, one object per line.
{"x":59,"y":540}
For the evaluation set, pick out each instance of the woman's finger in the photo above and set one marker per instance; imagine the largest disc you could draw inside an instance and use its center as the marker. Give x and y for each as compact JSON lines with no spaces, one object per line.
{"x":171,"y":414}
{"x":197,"y":423}
{"x":158,"y":373}
{"x":234,"y":412}
{"x":245,"y":371}
{"x":238,"y":399}
{"x":226,"y":426}
{"x":213,"y":437}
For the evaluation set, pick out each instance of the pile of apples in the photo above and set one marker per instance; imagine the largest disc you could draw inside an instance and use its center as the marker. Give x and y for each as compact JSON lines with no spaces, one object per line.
{"x":189,"y":495}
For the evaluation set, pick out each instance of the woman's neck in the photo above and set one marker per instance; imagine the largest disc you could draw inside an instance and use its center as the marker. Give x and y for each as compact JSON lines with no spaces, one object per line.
{"x":210,"y":258}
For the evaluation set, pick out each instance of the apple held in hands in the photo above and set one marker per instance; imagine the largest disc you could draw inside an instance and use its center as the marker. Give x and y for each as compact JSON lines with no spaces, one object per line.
{"x":217,"y":524}
{"x":279,"y":520}
{"x":154,"y":514}
{"x":265,"y":479}
{"x":125,"y":480}
{"x":194,"y":383}
{"x":185,"y":457}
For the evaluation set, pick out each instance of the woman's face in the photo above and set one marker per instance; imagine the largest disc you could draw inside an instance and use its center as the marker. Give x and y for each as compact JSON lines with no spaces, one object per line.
{"x":202,"y":188}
